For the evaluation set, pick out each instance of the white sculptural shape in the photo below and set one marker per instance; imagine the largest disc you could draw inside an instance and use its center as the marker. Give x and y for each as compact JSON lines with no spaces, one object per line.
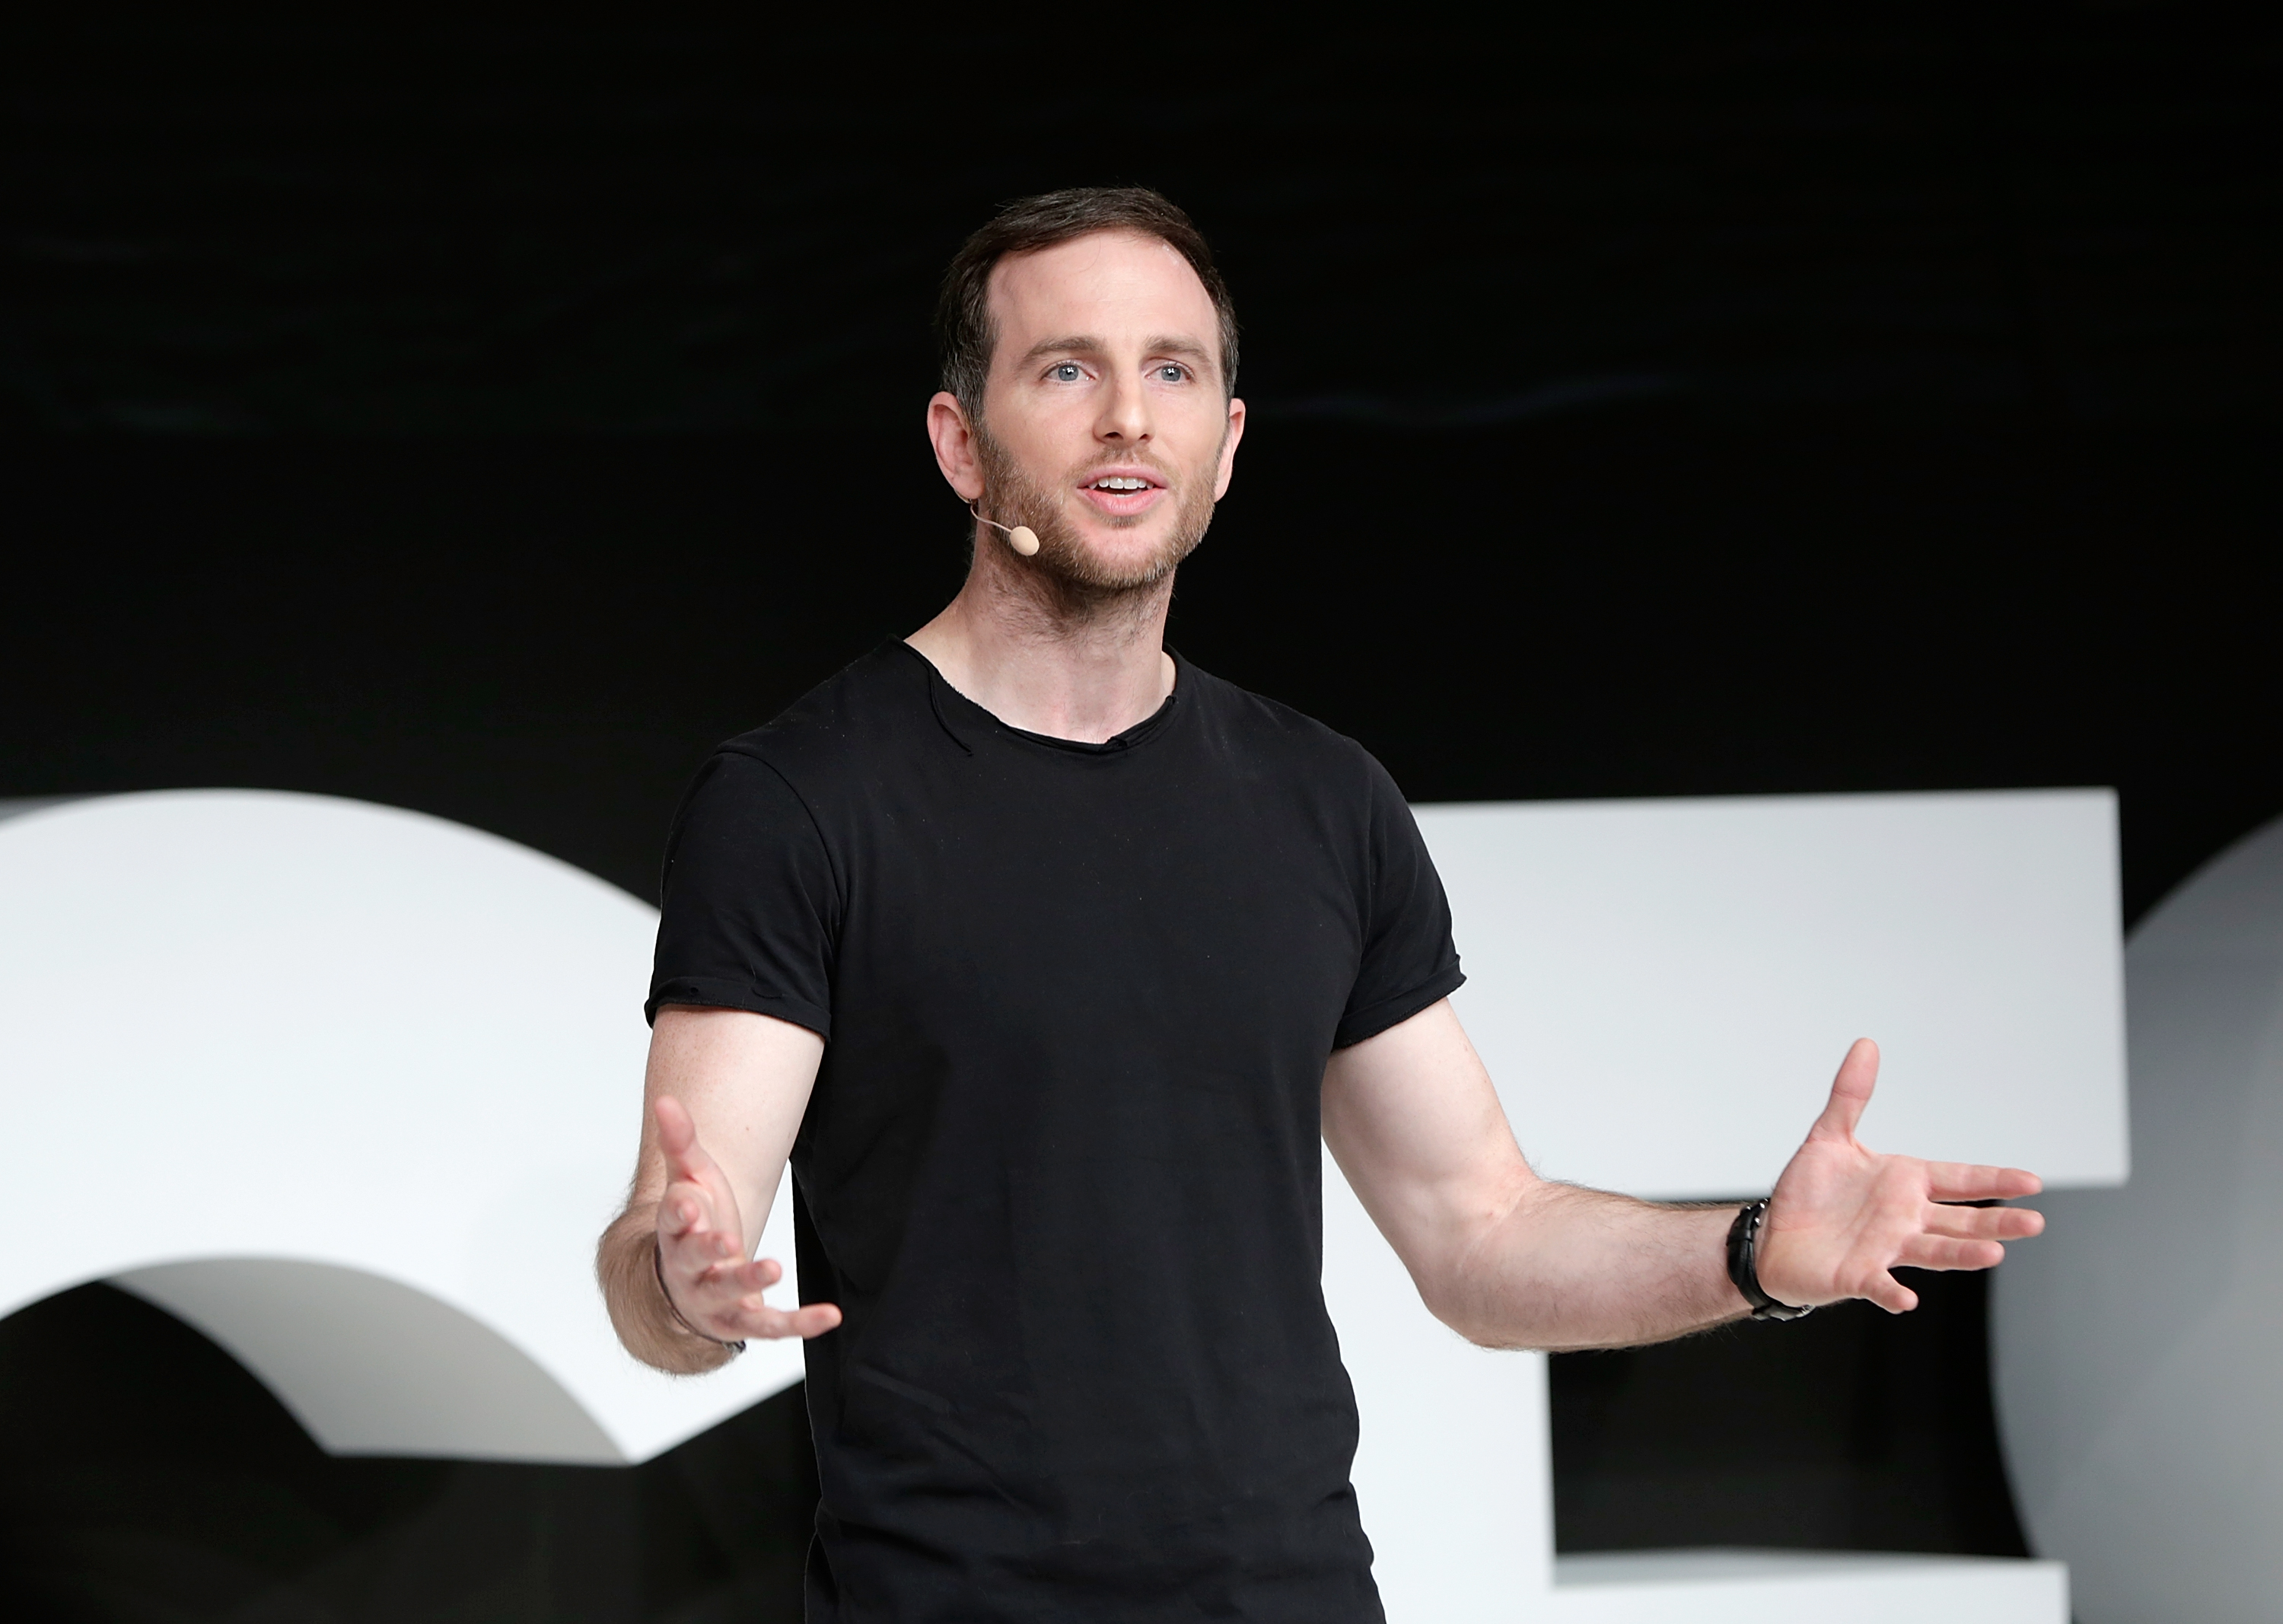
{"x":345,"y":1058}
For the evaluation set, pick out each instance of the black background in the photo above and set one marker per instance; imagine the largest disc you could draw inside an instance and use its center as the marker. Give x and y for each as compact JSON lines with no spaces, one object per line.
{"x":486,"y":418}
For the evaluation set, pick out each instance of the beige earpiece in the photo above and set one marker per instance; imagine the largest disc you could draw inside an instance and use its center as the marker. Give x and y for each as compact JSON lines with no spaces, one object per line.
{"x":1022,"y":538}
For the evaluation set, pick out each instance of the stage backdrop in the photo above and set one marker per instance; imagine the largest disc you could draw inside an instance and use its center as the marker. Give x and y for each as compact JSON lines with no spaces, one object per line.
{"x":483,"y":418}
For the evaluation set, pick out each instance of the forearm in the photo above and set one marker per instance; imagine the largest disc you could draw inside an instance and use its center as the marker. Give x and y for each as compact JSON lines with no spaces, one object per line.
{"x":1567,"y":1268}
{"x":625,"y":1261}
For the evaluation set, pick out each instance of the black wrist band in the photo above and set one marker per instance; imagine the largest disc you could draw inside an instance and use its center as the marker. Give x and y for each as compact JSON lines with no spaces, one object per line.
{"x":1743,"y":1242}
{"x":658,"y":1268}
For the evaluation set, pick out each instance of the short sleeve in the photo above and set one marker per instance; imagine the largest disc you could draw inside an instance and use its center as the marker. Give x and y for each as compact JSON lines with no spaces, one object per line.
{"x":749,"y":905}
{"x":1409,"y":960}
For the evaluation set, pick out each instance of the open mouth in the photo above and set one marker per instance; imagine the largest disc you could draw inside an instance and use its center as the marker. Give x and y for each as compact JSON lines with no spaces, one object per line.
{"x":1123,"y":493}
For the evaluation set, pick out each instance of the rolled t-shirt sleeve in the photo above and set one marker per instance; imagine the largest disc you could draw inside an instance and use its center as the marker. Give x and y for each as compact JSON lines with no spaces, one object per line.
{"x":750,"y":905}
{"x":1408,"y":961}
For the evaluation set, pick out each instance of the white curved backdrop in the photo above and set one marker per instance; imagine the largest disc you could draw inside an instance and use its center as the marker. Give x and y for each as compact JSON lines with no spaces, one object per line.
{"x":2138,"y":1377}
{"x":351,"y":1089}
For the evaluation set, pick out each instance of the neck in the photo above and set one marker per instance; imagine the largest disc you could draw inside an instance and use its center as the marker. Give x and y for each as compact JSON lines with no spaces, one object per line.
{"x":1047,"y":658}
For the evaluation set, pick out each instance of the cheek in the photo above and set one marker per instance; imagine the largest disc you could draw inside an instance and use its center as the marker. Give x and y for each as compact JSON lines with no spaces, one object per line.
{"x":1038,"y":429}
{"x":1193,"y":440}
{"x":1057,"y":439}
{"x":1215,"y":462}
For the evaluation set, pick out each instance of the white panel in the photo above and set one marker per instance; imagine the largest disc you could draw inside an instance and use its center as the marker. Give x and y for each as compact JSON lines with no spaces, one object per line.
{"x":1790,"y":1587}
{"x":1662,"y":990}
{"x":324,"y":1033}
{"x":1455,"y":1476}
{"x":1451,"y":1472}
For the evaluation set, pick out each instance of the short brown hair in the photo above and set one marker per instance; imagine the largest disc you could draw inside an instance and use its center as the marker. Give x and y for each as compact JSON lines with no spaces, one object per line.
{"x":962,"y":315}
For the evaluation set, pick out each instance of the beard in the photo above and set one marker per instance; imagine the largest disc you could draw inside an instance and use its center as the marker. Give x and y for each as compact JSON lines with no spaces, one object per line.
{"x":1081,"y":576}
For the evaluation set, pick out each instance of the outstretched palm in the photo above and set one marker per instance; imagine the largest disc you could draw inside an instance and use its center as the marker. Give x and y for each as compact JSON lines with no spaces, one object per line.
{"x":1843,"y":1217}
{"x":701,"y":1246}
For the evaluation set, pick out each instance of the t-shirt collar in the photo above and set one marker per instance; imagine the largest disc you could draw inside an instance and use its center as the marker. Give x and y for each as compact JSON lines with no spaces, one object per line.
{"x":955,"y":710}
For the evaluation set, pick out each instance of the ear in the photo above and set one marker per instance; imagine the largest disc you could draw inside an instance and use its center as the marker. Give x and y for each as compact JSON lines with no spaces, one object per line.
{"x":1227,"y":469}
{"x":955,"y":445}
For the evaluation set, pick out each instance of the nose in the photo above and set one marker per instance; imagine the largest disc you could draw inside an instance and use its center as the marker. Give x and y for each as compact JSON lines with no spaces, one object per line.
{"x":1124,"y":419}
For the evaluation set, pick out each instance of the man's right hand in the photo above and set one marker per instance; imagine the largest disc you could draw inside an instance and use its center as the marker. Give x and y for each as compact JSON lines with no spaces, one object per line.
{"x":710,"y":1282}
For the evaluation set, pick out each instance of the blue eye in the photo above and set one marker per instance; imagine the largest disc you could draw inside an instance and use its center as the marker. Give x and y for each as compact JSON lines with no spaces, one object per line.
{"x":1065,"y":372}
{"x":1171,"y":374}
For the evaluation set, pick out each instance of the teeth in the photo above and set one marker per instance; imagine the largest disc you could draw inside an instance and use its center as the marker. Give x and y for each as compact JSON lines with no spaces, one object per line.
{"x":1121,"y":483}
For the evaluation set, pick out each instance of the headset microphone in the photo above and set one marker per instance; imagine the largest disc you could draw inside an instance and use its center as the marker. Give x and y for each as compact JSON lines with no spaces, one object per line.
{"x":1022,"y":538}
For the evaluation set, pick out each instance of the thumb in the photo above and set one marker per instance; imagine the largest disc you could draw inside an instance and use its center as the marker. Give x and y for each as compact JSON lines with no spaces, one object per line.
{"x":672,"y":1120}
{"x":677,"y":1138}
{"x":1850,"y":1092}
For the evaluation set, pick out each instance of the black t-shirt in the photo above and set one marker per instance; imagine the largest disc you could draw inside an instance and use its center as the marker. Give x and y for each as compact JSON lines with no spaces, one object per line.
{"x":1061,"y":1169}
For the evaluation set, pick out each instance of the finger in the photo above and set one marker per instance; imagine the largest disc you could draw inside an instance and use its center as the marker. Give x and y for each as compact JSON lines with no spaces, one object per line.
{"x":680,"y":1212}
{"x":1966,"y":1180}
{"x":758,"y":1274}
{"x":677,"y":1140}
{"x":676,"y":1133}
{"x":1984,"y":1222}
{"x":690,"y":1295}
{"x":720,"y":1303}
{"x":813,"y":1321}
{"x":1850,"y":1092}
{"x":685,"y":1211}
{"x":707,"y":1266}
{"x":750,"y":1317}
{"x":1890,"y":1294}
{"x":722,"y":1285}
{"x":1938,"y":1251}
{"x":693,"y":1249}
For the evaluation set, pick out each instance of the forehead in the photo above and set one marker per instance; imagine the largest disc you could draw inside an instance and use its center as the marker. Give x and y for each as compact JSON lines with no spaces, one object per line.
{"x":1109,"y":284}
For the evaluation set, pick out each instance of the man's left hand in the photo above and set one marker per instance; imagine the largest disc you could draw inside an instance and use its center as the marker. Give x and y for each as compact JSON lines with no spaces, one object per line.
{"x":1843,"y":1217}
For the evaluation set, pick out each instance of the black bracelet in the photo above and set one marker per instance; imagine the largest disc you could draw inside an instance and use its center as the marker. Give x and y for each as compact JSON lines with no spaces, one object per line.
{"x":1743,"y":1242}
{"x":658,"y":1268}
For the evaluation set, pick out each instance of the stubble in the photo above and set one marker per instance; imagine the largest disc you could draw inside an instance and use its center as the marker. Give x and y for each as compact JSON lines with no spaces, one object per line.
{"x":1083,"y":581}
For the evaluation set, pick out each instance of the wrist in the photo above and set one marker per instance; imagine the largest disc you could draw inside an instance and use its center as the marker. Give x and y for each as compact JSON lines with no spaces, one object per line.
{"x":681,"y":1322}
{"x":1744,"y":1235}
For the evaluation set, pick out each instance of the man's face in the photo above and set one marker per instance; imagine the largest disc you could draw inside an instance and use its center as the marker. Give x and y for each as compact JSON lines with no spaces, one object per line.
{"x":1106,"y":424}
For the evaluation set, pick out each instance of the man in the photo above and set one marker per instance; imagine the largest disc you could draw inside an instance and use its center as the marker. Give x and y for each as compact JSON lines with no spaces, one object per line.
{"x":1047,"y":958}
